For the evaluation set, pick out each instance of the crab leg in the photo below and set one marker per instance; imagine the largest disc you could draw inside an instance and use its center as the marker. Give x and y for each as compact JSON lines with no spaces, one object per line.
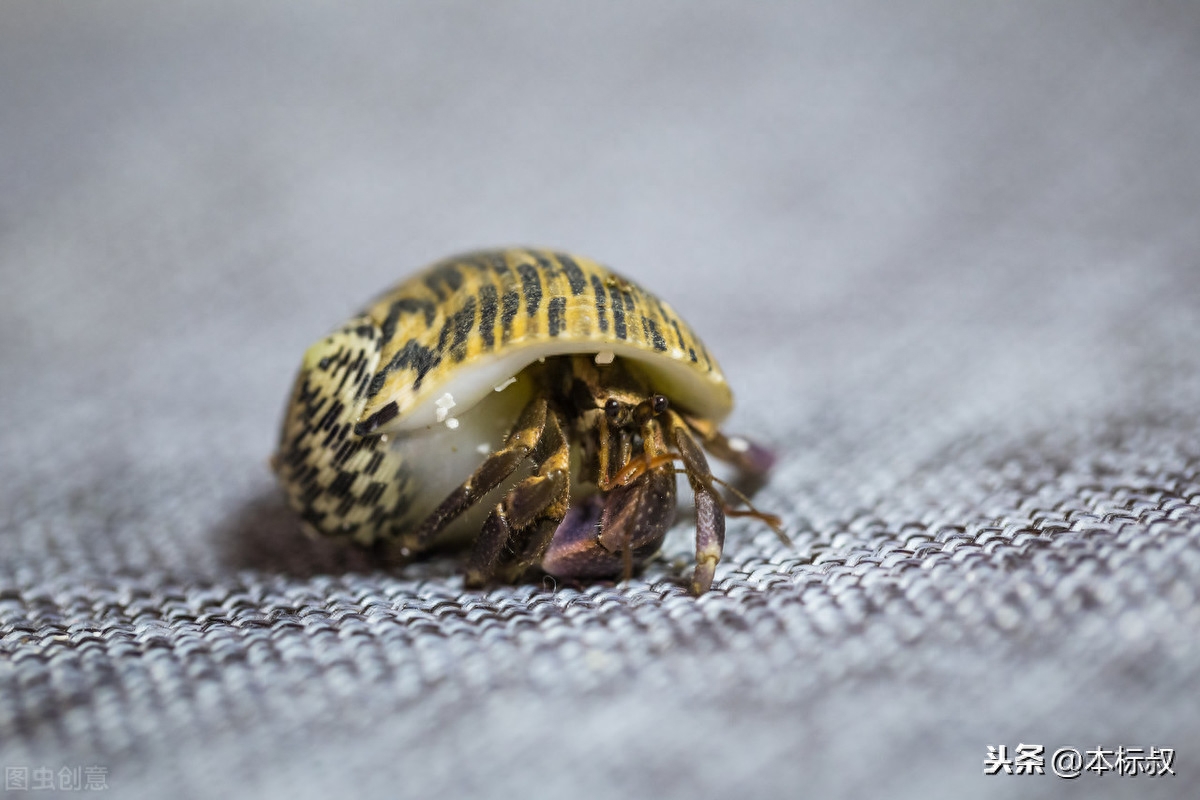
{"x":531,"y":510}
{"x":518,"y":445}
{"x":750,"y":457}
{"x":710,"y":513}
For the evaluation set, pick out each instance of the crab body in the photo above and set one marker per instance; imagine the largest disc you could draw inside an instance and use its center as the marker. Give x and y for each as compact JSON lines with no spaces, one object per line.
{"x":470,"y":394}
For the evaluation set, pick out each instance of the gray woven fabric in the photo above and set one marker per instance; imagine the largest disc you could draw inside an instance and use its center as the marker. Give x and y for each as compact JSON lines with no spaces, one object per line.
{"x":948,"y":256}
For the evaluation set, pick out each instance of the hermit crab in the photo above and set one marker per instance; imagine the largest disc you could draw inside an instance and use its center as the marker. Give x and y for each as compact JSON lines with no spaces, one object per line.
{"x":533,"y":400}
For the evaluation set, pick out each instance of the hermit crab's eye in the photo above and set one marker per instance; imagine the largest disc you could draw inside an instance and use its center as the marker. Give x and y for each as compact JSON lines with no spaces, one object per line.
{"x":612,"y":408}
{"x":659,"y":404}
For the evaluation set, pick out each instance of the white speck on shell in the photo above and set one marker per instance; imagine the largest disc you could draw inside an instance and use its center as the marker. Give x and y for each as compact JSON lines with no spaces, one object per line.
{"x":444,"y":404}
{"x":452,"y":423}
{"x":383,"y":437}
{"x":542,"y":360}
{"x":738,"y":445}
{"x":605,"y":357}
{"x":484,"y":449}
{"x":500,"y":387}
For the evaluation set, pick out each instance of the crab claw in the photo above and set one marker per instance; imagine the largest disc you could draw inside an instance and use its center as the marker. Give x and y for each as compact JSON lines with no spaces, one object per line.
{"x":605,"y":535}
{"x":710,"y":540}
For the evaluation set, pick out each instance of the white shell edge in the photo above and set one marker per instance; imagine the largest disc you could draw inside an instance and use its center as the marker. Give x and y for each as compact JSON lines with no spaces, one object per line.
{"x":690,"y":387}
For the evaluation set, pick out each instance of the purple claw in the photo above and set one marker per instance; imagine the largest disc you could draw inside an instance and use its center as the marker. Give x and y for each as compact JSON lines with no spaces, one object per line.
{"x":572,"y":550}
{"x":592,"y":539}
{"x":759,"y":459}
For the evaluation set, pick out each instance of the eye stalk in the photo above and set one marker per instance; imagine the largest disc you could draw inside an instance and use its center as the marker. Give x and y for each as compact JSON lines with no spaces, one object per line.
{"x":659,"y":404}
{"x":612,"y":408}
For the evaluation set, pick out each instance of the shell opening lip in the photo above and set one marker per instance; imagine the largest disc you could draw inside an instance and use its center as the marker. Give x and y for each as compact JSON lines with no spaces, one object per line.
{"x":704,"y":394}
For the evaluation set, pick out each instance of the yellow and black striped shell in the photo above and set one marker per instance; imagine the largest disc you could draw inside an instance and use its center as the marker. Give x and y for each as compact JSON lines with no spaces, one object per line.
{"x":396,"y":406}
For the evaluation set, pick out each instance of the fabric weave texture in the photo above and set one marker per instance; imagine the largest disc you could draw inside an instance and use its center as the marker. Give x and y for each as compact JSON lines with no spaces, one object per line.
{"x":947,"y":256}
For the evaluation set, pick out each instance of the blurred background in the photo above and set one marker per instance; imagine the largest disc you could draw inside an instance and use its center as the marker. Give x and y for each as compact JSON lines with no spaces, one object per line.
{"x":945,"y":252}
